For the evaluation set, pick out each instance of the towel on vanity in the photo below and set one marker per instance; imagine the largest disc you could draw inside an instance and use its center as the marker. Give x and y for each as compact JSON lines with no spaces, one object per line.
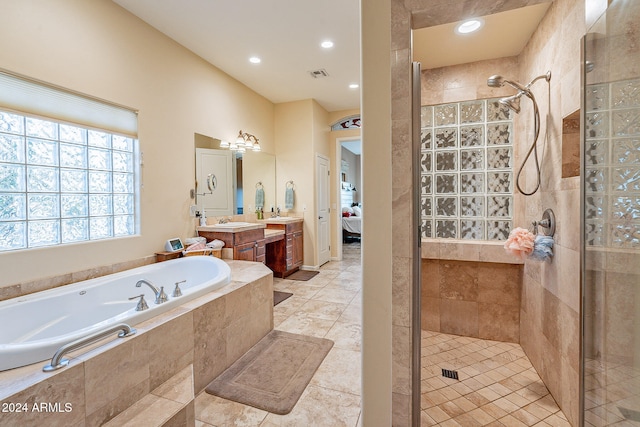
{"x":288,"y":198}
{"x":259,"y":198}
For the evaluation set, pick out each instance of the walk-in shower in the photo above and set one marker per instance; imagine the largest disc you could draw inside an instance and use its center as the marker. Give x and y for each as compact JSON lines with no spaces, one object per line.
{"x":513,"y":103}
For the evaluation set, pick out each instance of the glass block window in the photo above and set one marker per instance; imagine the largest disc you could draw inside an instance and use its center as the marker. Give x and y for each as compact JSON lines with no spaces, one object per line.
{"x":612,"y":165}
{"x":467,"y":170}
{"x":61,"y":183}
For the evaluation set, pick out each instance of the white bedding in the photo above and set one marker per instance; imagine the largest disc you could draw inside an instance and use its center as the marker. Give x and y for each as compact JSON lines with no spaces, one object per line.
{"x":352,"y":224}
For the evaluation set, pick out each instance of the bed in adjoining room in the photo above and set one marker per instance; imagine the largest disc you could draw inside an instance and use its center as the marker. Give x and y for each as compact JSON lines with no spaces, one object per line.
{"x":351,"y":214}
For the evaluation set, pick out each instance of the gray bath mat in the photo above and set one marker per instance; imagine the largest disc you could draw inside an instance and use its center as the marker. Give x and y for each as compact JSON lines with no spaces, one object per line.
{"x":273,"y":374}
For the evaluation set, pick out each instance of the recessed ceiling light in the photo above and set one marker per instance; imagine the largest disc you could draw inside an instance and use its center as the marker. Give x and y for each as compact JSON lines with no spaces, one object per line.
{"x":327,"y":44}
{"x":469,"y":26}
{"x":255,"y":60}
{"x":354,"y":86}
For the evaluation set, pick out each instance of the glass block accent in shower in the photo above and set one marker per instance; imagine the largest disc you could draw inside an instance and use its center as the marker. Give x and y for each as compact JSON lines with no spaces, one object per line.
{"x":466,"y":167}
{"x":612,"y":165}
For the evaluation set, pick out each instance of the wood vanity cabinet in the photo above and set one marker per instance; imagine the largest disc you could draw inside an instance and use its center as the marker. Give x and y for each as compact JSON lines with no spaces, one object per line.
{"x":286,"y":256}
{"x":247,"y":245}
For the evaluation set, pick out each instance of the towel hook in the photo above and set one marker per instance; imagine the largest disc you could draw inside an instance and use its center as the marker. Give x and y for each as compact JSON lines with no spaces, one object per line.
{"x":259,"y":184}
{"x":290,"y":184}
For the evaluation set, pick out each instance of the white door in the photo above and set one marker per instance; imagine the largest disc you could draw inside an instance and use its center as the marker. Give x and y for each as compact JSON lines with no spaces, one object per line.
{"x":322,"y":203}
{"x":214,"y":174}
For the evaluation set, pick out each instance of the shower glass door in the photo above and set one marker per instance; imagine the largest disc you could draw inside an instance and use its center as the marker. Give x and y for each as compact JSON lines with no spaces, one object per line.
{"x":610,"y":389}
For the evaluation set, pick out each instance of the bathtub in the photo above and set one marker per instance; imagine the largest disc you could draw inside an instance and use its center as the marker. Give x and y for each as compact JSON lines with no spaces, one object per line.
{"x":36,"y":325}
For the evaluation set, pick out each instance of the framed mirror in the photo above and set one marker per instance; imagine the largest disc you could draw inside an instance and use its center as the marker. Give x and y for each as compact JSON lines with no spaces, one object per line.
{"x":237,"y":176}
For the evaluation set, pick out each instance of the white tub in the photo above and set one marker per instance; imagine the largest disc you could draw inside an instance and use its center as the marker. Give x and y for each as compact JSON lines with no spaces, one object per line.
{"x":35,"y":326}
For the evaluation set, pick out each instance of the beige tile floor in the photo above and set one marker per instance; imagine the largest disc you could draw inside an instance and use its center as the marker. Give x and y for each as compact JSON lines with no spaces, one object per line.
{"x":610,"y":390}
{"x":497,"y":385}
{"x":327,"y":306}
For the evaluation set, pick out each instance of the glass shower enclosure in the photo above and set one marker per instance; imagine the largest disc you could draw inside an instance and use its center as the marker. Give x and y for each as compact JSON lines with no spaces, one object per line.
{"x":610,"y":389}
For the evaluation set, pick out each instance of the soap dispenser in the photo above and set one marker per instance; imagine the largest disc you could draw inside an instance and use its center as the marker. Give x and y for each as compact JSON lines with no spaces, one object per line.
{"x":203,"y":218}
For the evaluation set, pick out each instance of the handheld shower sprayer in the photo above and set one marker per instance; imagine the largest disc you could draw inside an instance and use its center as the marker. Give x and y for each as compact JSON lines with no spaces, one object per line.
{"x":513,"y":103}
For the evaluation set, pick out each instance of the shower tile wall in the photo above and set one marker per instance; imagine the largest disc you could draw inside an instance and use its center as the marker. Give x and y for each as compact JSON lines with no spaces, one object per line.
{"x":474,"y":299}
{"x":466,"y":170}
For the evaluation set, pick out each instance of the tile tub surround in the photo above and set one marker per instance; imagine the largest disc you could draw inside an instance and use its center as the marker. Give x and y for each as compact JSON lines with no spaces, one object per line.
{"x":108,"y":377}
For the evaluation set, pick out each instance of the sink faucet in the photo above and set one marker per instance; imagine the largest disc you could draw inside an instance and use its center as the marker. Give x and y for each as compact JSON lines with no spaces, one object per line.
{"x":278,"y":212}
{"x":224,"y":220}
{"x":161,"y":296}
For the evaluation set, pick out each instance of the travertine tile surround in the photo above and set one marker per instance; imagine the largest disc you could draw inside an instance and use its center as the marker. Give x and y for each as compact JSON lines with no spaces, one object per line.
{"x":473,"y":299}
{"x":550,"y":291}
{"x":104,"y":379}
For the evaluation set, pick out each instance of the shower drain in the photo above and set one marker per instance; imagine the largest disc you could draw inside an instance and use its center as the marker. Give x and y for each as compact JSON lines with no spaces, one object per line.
{"x":450,"y":374}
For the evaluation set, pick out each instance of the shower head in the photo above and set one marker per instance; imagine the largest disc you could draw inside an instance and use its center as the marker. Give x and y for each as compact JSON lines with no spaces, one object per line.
{"x":513,"y":101}
{"x":495,"y":81}
{"x":499,"y":81}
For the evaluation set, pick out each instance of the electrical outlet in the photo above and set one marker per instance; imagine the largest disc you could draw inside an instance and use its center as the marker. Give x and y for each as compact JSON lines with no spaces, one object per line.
{"x":304,"y":207}
{"x":193,"y":209}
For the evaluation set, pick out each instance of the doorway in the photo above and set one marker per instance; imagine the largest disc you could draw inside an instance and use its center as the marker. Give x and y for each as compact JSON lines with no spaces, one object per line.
{"x":349,"y":190}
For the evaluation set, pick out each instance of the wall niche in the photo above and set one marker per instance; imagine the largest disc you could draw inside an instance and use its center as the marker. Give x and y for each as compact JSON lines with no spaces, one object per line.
{"x":571,"y":145}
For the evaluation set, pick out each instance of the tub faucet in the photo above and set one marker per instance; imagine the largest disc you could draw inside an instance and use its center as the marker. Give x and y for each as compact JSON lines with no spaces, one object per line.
{"x":161,"y":296}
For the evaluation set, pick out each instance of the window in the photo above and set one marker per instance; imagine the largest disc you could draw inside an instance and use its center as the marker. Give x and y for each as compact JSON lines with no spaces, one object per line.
{"x":68,"y":166}
{"x":61,"y":183}
{"x":466,"y":170}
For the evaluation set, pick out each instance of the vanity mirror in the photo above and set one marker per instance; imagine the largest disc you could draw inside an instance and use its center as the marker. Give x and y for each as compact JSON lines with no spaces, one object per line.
{"x":236,"y":176}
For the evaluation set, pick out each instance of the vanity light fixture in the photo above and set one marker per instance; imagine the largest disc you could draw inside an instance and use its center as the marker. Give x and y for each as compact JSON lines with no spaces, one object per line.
{"x":245,"y":141}
{"x":469,"y":26}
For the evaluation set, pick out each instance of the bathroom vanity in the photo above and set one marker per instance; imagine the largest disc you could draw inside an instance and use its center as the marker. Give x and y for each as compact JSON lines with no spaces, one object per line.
{"x":276,"y":242}
{"x":285,"y":256}
{"x":245,"y":239}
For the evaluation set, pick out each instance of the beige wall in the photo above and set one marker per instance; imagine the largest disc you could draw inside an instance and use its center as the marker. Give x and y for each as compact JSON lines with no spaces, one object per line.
{"x":100,"y":49}
{"x":301,"y":132}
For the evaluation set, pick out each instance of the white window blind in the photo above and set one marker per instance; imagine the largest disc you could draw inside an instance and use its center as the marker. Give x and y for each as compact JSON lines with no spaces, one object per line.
{"x":31,"y":96}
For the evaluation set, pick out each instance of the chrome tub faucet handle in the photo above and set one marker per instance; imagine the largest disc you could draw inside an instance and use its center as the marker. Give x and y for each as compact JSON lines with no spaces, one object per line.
{"x":177,"y":292}
{"x":142,"y":304}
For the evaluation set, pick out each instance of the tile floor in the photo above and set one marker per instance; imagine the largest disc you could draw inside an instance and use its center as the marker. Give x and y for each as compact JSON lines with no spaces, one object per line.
{"x":497,"y":385}
{"x":612,"y":396}
{"x":327,"y":306}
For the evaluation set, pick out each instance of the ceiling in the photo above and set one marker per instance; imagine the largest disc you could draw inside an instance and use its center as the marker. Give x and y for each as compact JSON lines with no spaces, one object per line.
{"x":503,"y":35}
{"x":286,"y":35}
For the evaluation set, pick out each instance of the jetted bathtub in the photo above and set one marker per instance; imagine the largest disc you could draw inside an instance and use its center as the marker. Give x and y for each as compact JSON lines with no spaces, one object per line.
{"x":36,"y":325}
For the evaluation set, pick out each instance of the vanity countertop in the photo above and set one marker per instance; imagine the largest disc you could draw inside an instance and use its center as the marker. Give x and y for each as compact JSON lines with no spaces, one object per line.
{"x":231,"y":227}
{"x":269,"y":232}
{"x":280,"y":220}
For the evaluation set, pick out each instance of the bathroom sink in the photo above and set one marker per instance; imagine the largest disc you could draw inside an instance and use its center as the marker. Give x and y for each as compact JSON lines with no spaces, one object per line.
{"x":233,"y":224}
{"x":232,"y":227}
{"x":282,"y":219}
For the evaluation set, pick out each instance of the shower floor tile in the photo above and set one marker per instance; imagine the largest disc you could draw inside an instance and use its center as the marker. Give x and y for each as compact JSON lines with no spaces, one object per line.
{"x":496,"y":385}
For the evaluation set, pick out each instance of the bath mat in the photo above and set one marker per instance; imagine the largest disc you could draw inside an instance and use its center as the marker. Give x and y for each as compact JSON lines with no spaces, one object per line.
{"x":273,"y":374}
{"x":303,"y":275}
{"x":278,"y":297}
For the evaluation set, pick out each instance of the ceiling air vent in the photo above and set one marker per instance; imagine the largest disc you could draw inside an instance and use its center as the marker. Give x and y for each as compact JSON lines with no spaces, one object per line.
{"x":317,"y":74}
